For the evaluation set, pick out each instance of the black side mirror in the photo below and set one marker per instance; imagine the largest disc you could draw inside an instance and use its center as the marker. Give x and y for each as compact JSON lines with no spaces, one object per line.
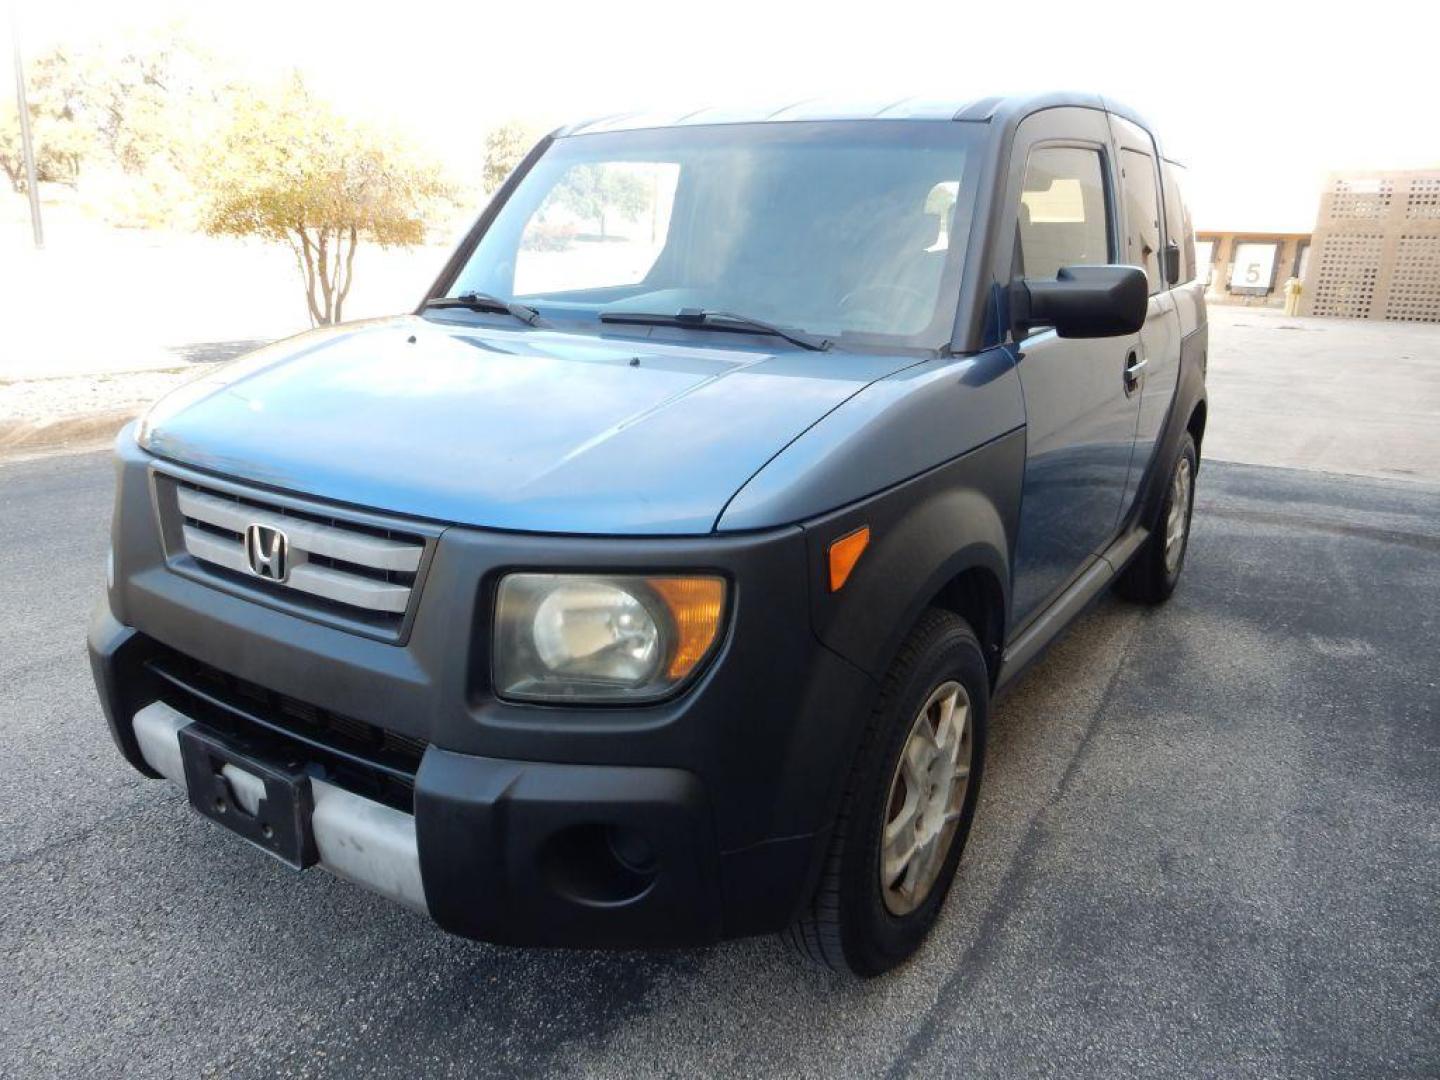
{"x":1082,"y":302}
{"x":1172,"y":264}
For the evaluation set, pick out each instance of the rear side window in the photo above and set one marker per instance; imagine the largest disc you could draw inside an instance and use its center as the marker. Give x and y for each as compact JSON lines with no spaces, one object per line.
{"x":1178,"y":226}
{"x":1062,"y":211}
{"x":1142,"y":215}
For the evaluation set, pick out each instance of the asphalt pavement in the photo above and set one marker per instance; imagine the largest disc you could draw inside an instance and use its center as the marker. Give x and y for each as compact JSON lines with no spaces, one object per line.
{"x":1208,"y":844}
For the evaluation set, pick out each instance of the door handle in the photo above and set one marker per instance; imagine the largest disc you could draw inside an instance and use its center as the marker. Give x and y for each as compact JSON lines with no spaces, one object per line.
{"x":1133,"y":367}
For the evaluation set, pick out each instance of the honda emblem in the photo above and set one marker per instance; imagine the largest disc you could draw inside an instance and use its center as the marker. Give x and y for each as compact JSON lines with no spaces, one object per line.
{"x":267,"y":552}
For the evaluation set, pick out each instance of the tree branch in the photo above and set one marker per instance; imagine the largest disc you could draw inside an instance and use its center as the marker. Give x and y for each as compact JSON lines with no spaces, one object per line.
{"x":349,"y":270}
{"x":315,"y":314}
{"x":335,"y":268}
{"x":323,"y":243}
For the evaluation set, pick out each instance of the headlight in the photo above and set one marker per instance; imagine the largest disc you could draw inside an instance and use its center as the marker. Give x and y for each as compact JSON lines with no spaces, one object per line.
{"x":602,"y":637}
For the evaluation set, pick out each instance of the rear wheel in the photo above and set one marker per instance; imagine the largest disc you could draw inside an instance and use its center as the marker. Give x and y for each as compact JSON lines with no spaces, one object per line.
{"x":908,"y":806}
{"x":1153,"y":573}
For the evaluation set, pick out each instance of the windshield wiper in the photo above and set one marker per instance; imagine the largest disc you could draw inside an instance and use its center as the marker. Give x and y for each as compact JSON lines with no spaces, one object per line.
{"x":478,"y":301}
{"x":718,"y":320}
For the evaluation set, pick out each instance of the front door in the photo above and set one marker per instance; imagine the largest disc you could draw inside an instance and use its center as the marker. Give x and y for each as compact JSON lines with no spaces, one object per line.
{"x":1154,"y":382}
{"x":1080,"y":404}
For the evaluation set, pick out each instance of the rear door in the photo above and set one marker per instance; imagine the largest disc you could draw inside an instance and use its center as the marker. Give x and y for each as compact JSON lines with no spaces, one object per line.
{"x":1157,"y":367}
{"x":1080,"y":423}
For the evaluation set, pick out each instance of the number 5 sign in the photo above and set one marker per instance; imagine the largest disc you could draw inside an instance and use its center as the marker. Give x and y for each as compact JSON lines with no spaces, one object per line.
{"x":1253,"y":267}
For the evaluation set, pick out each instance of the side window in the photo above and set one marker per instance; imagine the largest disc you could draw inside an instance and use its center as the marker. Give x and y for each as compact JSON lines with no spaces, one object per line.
{"x":1177,"y":222}
{"x":1142,"y":215}
{"x":1062,"y":211}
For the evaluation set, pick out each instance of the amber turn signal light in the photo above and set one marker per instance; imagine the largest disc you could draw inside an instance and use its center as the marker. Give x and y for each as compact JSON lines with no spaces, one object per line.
{"x":696,"y":605}
{"x":845,"y":553}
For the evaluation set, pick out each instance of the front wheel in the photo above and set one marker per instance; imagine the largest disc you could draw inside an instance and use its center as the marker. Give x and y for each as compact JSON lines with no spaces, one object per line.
{"x":908,"y":806}
{"x":1153,"y":573}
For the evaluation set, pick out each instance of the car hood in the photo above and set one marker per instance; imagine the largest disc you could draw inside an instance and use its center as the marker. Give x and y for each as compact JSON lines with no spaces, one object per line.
{"x":527,"y":429}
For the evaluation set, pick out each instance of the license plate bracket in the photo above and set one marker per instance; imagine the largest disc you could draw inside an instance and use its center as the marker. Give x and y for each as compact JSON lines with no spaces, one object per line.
{"x":280,"y":823}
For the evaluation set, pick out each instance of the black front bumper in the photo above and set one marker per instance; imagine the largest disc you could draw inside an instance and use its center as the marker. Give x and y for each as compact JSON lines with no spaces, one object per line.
{"x":530,"y":853}
{"x":675,"y":824}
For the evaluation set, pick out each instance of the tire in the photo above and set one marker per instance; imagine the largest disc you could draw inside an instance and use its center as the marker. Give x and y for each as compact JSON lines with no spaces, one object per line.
{"x":1152,"y":575}
{"x":854,"y":923}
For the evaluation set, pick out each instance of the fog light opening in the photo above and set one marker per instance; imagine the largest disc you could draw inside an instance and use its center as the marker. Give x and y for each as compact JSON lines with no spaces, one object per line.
{"x":600,"y":865}
{"x":632,"y":850}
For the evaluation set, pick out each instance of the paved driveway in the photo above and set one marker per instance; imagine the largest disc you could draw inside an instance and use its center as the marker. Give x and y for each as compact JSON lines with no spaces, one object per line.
{"x":1207,"y":845}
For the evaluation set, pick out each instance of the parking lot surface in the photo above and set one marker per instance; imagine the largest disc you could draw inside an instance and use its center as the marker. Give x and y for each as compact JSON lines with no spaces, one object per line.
{"x":1207,"y":845}
{"x":1353,"y":396}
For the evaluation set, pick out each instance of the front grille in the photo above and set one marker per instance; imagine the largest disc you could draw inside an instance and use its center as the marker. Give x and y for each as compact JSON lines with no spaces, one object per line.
{"x":355,"y":571}
{"x":362,"y":757}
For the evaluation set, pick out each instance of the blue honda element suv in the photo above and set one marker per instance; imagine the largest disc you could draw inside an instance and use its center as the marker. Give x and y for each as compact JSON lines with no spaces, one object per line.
{"x":650,"y":584}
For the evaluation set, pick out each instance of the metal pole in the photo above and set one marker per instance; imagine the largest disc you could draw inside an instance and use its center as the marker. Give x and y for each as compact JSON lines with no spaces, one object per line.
{"x":27,"y":147}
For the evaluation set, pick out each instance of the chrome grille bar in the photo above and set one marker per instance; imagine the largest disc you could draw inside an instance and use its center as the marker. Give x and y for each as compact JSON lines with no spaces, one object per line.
{"x":359,"y":548}
{"x":305,"y":577}
{"x":326,"y":559}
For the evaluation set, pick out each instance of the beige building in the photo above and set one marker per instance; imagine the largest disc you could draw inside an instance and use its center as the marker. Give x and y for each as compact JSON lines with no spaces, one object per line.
{"x":1250,"y":267}
{"x":1374,"y":252}
{"x":1377,"y":248}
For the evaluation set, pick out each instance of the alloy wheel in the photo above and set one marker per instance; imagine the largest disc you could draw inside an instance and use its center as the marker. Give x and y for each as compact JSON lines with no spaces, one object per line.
{"x":926,"y":796}
{"x":1177,"y":522}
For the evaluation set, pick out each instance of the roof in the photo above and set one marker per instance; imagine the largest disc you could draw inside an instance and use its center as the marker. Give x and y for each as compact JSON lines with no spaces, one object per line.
{"x":908,"y":108}
{"x":1009,"y":108}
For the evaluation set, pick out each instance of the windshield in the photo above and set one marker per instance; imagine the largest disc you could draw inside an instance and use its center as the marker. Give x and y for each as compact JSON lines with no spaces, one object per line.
{"x":840,"y":229}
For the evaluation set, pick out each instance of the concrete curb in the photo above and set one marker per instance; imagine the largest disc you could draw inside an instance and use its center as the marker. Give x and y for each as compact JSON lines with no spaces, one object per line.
{"x":24,"y":438}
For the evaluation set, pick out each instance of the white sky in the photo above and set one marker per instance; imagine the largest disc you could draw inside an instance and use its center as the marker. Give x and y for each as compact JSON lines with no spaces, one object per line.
{"x":1260,"y":98}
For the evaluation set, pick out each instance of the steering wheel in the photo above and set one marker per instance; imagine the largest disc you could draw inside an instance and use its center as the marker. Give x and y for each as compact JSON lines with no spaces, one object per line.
{"x":852,"y":298}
